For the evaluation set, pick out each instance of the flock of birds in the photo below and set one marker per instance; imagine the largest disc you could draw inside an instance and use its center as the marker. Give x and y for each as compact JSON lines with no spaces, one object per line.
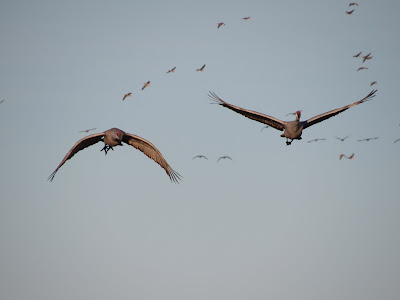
{"x":292,"y":130}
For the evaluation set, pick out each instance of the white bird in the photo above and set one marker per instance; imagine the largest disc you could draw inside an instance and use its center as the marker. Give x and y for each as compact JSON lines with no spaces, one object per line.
{"x":114,"y":137}
{"x":292,"y":130}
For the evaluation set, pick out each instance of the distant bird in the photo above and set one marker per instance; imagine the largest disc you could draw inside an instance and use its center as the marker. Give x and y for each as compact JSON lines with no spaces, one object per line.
{"x":293,"y":113}
{"x":353,"y":4}
{"x":373,"y":82}
{"x":114,"y":137}
{"x":368,"y":139}
{"x":2,"y":101}
{"x":368,"y":56}
{"x":146,"y":85}
{"x":199,"y":156}
{"x":350,"y":12}
{"x":350,"y":157}
{"x":87,"y":130}
{"x":316,"y":140}
{"x":224,"y":157}
{"x":172,"y":70}
{"x":342,"y":139}
{"x":358,"y":54}
{"x":246,"y":18}
{"x":396,"y":140}
{"x":221,"y":24}
{"x":362,"y":68}
{"x":126,"y":96}
{"x":202,"y":68}
{"x":266,"y":126}
{"x":292,"y":130}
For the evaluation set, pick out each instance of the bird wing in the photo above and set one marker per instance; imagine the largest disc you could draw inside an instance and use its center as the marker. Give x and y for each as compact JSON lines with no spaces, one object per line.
{"x":79,"y":145}
{"x":329,"y":114}
{"x":152,"y":152}
{"x":271,"y":121}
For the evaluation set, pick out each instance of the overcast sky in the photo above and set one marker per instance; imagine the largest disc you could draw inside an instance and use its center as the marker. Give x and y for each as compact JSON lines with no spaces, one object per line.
{"x":275,"y":222}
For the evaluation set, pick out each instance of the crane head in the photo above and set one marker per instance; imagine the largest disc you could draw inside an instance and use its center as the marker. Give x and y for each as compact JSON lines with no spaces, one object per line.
{"x":298,"y":115}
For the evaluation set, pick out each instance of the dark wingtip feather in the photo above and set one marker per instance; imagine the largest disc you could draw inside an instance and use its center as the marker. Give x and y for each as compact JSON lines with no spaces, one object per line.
{"x":51,"y":177}
{"x":174,"y":176}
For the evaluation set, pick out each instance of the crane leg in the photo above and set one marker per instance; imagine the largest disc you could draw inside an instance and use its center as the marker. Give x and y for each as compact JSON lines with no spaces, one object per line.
{"x":106,"y":148}
{"x":288,"y":143}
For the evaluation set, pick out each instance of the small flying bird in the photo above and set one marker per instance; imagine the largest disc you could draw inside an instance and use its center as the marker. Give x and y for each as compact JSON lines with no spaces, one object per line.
{"x":293,"y":113}
{"x":350,"y":157}
{"x":114,"y":137}
{"x":396,"y":140}
{"x":368,"y":139}
{"x":342,"y":139}
{"x":353,"y":4}
{"x":200,"y":156}
{"x":220,"y":24}
{"x":373,"y":82}
{"x":146,"y":85}
{"x":202,"y":68}
{"x":292,"y":130}
{"x":350,"y":12}
{"x":246,"y":18}
{"x":126,"y":96}
{"x":266,"y":126}
{"x":368,"y":56}
{"x":362,"y":68}
{"x":224,"y":157}
{"x":2,"y":101}
{"x":172,"y":70}
{"x":358,"y":54}
{"x":316,"y":140}
{"x":87,"y":130}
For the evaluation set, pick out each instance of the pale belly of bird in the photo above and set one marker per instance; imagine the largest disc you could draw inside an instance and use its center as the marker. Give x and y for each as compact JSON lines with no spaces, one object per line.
{"x":293,"y":131}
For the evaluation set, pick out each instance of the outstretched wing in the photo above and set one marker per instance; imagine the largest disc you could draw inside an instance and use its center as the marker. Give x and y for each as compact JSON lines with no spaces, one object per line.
{"x":152,"y":152}
{"x":271,"y":121}
{"x":80,"y":145}
{"x":329,"y":114}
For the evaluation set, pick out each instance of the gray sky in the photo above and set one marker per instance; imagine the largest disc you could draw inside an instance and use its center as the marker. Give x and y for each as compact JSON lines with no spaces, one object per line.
{"x":276,"y":222}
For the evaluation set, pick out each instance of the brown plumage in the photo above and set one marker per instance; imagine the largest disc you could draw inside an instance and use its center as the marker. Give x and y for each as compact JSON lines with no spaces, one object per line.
{"x":146,"y":85}
{"x":358,"y":54}
{"x":221,"y":24}
{"x":202,"y":68}
{"x":172,"y":70}
{"x":114,"y":137}
{"x":350,"y":12}
{"x":368,"y":56}
{"x":126,"y":96}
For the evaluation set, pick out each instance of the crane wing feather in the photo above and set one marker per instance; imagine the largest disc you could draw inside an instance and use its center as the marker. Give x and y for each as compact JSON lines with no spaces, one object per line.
{"x":265,"y":119}
{"x":152,"y":152}
{"x":334,"y":112}
{"x":79,"y":145}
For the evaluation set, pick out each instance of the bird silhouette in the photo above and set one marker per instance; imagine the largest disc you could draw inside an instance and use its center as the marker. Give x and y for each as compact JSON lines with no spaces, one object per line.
{"x":126,"y":96}
{"x":202,"y":68}
{"x":114,"y":137}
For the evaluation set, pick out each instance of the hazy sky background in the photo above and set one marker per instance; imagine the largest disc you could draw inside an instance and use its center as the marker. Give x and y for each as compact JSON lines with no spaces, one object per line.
{"x":276,"y":222}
